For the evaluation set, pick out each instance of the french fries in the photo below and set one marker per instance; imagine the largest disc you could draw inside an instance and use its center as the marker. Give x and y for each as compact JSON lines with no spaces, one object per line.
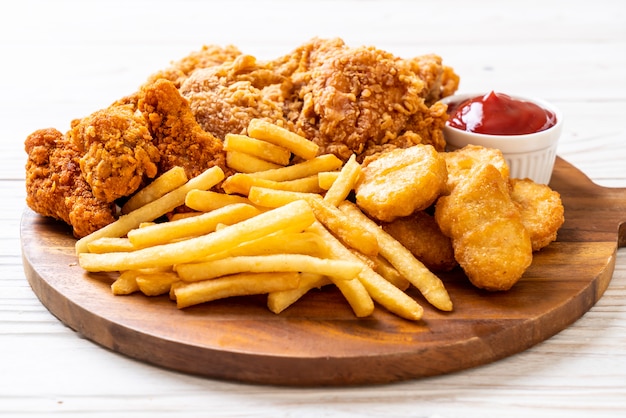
{"x":162,"y":233}
{"x":337,"y":269}
{"x":415,"y":272}
{"x":378,"y":288}
{"x":280,"y":300}
{"x":154,"y":209}
{"x":300,"y":146}
{"x":344,"y":183}
{"x":242,"y":284}
{"x":263,"y":150}
{"x":241,"y":183}
{"x":353,"y":234}
{"x":246,"y":163}
{"x":294,"y":215}
{"x":166,"y":182}
{"x":278,"y":229}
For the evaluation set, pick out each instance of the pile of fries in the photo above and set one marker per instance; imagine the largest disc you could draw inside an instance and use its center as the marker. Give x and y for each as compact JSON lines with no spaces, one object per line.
{"x":280,"y":229}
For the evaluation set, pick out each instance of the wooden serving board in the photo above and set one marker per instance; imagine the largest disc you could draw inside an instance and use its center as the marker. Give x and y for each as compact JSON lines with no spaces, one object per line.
{"x":318,"y":341}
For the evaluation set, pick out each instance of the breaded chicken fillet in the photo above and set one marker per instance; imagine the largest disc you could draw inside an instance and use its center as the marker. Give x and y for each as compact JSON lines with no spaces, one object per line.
{"x":490,"y":240}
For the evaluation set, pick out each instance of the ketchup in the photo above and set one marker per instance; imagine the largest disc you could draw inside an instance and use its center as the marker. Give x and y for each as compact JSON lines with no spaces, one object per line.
{"x":499,"y":114}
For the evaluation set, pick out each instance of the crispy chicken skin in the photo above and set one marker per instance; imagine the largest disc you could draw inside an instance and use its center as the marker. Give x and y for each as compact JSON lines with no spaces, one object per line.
{"x":348,"y":100}
{"x":362,"y":100}
{"x":116,"y":150}
{"x":177,"y":136}
{"x":55,"y":186}
{"x":207,"y":56}
{"x":79,"y":176}
{"x":225,"y":98}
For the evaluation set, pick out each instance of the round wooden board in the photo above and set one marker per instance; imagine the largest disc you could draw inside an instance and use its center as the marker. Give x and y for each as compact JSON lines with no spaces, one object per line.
{"x":318,"y":341}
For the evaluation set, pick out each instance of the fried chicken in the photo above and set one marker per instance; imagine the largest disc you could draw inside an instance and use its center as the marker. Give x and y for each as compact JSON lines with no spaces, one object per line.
{"x":362,"y":100}
{"x":490,"y":241}
{"x":116,"y":150}
{"x":541,"y":209}
{"x":207,"y":56}
{"x":175,"y":133}
{"x":348,"y":100}
{"x":79,"y":177}
{"x":400,"y":182}
{"x":461,"y":161}
{"x":225,"y":98}
{"x":55,"y":186}
{"x":420,"y":234}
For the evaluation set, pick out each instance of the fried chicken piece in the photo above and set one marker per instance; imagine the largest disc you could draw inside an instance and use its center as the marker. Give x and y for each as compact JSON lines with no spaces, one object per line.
{"x":488,"y":236}
{"x":420,"y":234}
{"x":461,"y":161}
{"x":356,"y":100}
{"x":207,"y":56}
{"x":440,"y":80}
{"x":178,"y":138}
{"x":225,"y":98}
{"x":117,"y":152}
{"x":55,"y":186}
{"x":541,"y":209}
{"x":402,"y":181}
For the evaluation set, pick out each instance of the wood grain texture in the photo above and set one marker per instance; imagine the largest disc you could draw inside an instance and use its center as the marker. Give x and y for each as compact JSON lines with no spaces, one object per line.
{"x":318,"y":341}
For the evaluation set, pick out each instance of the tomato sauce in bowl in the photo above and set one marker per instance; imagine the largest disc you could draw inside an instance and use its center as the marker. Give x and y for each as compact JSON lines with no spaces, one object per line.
{"x":500,"y":114}
{"x":525,"y":130}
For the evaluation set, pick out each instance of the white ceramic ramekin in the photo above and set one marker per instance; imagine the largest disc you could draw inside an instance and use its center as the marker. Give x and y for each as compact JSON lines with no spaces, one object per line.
{"x":528,"y":156}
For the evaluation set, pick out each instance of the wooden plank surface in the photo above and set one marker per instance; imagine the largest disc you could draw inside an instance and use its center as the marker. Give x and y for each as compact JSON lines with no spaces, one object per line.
{"x":63,"y":59}
{"x":318,"y":341}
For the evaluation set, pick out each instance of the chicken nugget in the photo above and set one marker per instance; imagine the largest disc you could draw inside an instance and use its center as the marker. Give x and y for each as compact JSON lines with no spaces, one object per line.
{"x":460,"y":161}
{"x":421,"y":235}
{"x":399,"y":182}
{"x":541,"y":209}
{"x":490,"y":241}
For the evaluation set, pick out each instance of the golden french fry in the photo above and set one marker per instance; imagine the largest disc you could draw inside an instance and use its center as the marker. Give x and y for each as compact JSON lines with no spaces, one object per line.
{"x":166,"y":182}
{"x":275,"y":198}
{"x":299,"y":145}
{"x":379,"y":289}
{"x":109,"y":245}
{"x":154,"y":209}
{"x":327,"y":178}
{"x":241,"y":183}
{"x":125,"y":284}
{"x":431,"y":287}
{"x":156,"y":283}
{"x":336,"y":269}
{"x":281,"y":300}
{"x":188,"y":294}
{"x":343,"y":185}
{"x":194,"y":226}
{"x":294,"y":215}
{"x":261,"y":149}
{"x":182,"y":215}
{"x":208,"y":200}
{"x":352,"y":233}
{"x":282,"y":242}
{"x":385,"y":269}
{"x":326,"y":162}
{"x":357,"y":296}
{"x":246,"y":163}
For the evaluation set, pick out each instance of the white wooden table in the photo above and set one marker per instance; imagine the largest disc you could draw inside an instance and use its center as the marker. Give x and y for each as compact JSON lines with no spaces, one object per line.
{"x":65,"y":59}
